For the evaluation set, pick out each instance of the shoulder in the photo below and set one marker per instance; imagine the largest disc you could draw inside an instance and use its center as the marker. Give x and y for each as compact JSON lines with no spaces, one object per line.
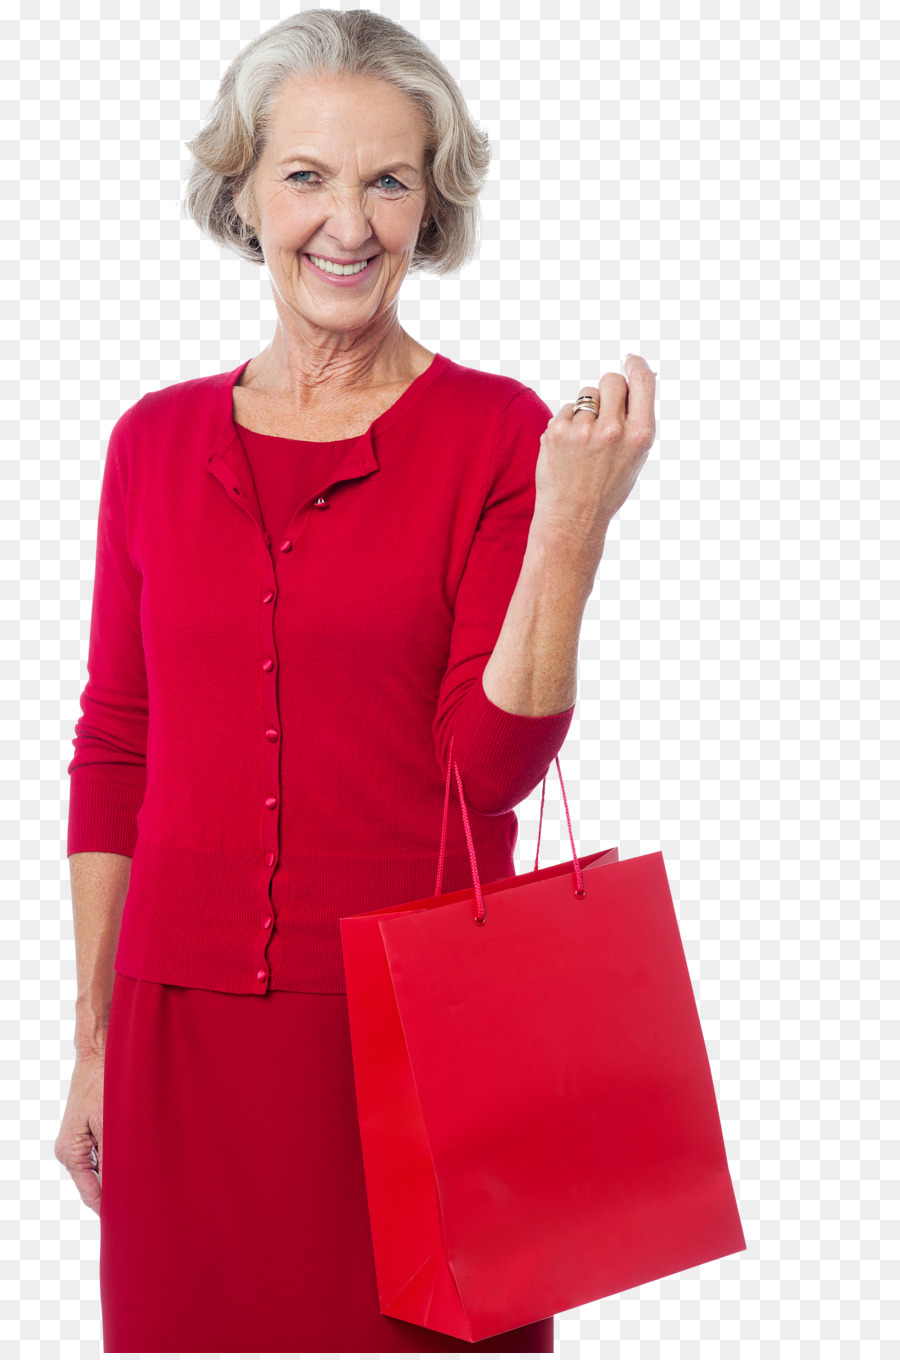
{"x":511,"y":417}
{"x":176,"y":418}
{"x":192,"y":394}
{"x":498,"y":390}
{"x":514,"y":405}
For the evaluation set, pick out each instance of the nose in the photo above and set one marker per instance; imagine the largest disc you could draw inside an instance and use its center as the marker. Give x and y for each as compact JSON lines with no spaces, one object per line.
{"x":348,"y":225}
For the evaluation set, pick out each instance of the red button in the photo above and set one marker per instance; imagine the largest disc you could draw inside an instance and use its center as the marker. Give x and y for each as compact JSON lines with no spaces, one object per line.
{"x":267,"y":922}
{"x":262,"y":975}
{"x":270,"y":859}
{"x":268,"y":663}
{"x":286,"y":545}
{"x":271,"y":734}
{"x":321,"y":503}
{"x":269,"y":597}
{"x":271,"y":801}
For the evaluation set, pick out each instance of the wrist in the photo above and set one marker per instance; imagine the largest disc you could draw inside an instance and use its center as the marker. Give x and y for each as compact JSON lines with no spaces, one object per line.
{"x":90,"y":1030}
{"x":565,"y":531}
{"x":555,"y":540}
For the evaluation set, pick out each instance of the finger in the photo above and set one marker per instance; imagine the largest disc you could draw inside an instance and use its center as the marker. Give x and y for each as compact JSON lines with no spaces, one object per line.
{"x":95,"y":1126}
{"x":583,"y":413}
{"x":641,"y":390}
{"x":88,"y":1187}
{"x":78,"y":1163}
{"x":613,"y":397}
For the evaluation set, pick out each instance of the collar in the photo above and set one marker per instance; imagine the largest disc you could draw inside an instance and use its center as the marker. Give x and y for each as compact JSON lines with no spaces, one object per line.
{"x":363,"y":449}
{"x":226,"y":458}
{"x":358,"y":460}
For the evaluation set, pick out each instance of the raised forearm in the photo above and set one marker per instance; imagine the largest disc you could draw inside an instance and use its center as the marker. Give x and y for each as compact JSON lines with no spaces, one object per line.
{"x":533,"y":667}
{"x":99,"y":886}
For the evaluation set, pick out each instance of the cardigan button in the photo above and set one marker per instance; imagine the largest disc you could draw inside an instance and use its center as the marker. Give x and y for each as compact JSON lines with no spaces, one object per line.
{"x":286,"y":545}
{"x":270,"y":859}
{"x":271,"y":801}
{"x":321,"y":503}
{"x":268,"y":663}
{"x":267,"y":922}
{"x":271,"y":734}
{"x":262,"y":975}
{"x":269,"y":597}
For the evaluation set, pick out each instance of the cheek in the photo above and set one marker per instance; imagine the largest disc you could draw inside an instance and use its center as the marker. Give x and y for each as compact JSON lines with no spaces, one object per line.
{"x":290,"y":221}
{"x":398,"y":227}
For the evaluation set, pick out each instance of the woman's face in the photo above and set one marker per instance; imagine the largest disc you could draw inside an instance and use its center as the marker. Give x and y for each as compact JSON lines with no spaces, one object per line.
{"x":342,"y":178}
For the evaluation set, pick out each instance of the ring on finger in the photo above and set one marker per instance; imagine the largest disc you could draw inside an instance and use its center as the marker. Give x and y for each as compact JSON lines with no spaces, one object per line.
{"x":587,"y":402}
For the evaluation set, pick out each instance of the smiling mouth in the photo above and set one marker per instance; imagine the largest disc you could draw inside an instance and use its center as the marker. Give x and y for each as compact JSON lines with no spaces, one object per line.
{"x":338,"y":271}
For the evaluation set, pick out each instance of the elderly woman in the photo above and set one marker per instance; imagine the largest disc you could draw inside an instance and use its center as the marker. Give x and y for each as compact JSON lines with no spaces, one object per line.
{"x":312,"y":573}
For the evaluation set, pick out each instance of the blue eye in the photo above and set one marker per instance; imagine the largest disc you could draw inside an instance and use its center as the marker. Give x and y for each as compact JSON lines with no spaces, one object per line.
{"x":391,"y":189}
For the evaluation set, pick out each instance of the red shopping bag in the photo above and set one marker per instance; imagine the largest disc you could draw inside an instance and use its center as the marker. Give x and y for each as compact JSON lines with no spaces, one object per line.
{"x":537,"y":1114}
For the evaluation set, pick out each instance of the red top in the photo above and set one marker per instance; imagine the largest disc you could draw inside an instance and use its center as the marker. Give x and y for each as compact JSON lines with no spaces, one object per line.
{"x":286,"y":472}
{"x":266,"y":720}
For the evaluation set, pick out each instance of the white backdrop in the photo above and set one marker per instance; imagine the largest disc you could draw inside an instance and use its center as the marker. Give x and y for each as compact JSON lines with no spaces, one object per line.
{"x":716,"y":191}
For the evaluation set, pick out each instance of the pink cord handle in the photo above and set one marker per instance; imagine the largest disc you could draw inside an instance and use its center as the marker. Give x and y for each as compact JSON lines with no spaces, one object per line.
{"x":479,"y":910}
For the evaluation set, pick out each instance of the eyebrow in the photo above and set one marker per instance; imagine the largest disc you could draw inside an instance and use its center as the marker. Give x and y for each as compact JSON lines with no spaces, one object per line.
{"x":320,"y":165}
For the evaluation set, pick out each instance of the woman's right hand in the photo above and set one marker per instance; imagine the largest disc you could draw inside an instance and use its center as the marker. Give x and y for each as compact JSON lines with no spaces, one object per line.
{"x":79,"y":1143}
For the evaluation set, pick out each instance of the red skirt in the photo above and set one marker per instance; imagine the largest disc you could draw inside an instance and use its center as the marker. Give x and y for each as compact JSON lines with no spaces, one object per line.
{"x":233,"y":1211}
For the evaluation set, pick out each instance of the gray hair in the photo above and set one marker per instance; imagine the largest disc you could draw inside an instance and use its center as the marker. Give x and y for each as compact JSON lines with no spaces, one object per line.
{"x":329,"y":42}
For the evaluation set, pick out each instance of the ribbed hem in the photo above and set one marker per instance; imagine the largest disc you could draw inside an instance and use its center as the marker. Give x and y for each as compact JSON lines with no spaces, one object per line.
{"x":195,"y":916}
{"x":104,"y":800}
{"x":502,"y":756}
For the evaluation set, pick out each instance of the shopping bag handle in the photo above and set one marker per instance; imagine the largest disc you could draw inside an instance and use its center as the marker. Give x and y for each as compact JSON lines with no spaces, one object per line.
{"x":479,"y":910}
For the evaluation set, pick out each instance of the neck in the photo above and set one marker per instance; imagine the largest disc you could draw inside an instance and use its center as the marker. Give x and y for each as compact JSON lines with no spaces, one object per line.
{"x":305,"y":375}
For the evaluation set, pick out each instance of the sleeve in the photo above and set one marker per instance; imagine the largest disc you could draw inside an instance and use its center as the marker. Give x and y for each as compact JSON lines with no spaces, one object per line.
{"x":501,"y":756}
{"x":107,"y":775}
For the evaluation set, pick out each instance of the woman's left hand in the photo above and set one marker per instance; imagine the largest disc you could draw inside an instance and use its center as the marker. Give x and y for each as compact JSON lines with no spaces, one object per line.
{"x":588,"y":464}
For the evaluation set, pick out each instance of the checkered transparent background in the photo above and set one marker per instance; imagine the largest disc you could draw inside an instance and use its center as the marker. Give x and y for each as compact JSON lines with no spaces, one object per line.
{"x":718,"y":193}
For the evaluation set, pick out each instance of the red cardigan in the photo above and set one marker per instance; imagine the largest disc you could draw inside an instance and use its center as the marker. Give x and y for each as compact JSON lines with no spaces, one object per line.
{"x":265,"y":725}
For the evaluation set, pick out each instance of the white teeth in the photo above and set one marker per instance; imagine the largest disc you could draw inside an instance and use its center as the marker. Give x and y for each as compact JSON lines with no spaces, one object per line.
{"x":330,"y":268}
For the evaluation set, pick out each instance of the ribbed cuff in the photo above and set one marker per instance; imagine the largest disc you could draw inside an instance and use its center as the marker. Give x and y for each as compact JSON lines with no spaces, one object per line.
{"x":103,"y":805}
{"x":502,"y":757}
